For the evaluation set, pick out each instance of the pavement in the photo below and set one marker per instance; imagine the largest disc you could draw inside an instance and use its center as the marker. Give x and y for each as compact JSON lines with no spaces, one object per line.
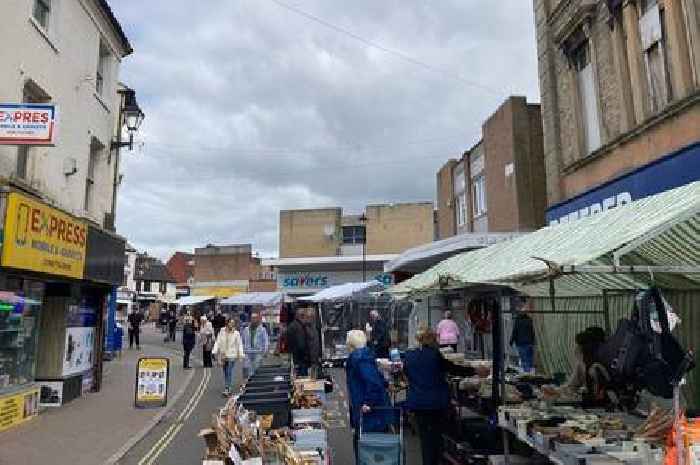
{"x":92,"y":429}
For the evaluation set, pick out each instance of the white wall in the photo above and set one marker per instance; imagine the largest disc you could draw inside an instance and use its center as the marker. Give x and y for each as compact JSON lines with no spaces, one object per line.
{"x":130,"y":270}
{"x":63,"y":63}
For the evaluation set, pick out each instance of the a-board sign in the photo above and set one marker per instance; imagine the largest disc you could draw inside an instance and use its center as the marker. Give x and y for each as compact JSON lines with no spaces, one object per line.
{"x":152,"y":376}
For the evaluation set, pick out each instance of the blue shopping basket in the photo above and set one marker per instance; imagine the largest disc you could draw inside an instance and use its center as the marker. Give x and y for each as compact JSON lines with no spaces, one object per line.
{"x":382,"y":448}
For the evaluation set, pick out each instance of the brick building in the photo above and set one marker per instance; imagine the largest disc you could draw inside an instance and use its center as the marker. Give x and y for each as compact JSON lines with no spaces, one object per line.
{"x":181,"y":269}
{"x":620,"y":87}
{"x":223,"y":271}
{"x":498,"y":184}
{"x":323,"y":247}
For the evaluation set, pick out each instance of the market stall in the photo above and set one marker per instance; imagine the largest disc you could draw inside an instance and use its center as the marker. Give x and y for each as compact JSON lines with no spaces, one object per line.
{"x":583,"y":267}
{"x":269,"y":304}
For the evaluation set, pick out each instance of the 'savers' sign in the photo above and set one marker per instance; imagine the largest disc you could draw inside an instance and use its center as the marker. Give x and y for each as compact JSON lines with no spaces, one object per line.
{"x":27,"y":124}
{"x":40,"y":238}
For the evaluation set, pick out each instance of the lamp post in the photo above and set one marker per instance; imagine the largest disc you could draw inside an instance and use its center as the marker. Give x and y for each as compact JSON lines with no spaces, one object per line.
{"x":363,"y":220}
{"x":131,"y":117}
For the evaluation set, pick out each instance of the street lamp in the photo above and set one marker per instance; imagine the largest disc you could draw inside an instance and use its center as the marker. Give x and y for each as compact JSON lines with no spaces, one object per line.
{"x":363,"y":220}
{"x":130,"y":115}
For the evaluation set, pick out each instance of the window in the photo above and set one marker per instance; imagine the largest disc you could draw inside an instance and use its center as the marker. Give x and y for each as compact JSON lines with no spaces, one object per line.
{"x":95,"y":150}
{"x":588,"y":102}
{"x":651,"y":25}
{"x":353,"y":234}
{"x":479,"y":196}
{"x":42,"y":12}
{"x":31,"y":93}
{"x":163,"y":287}
{"x":103,"y":62}
{"x":460,"y":198}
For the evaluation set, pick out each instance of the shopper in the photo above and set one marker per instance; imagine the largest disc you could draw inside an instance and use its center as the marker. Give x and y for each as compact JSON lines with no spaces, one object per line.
{"x":428,"y":393}
{"x":206,"y":336}
{"x":135,"y":319}
{"x":298,"y":344}
{"x":230,"y":346}
{"x":219,"y":322}
{"x":381,"y":339}
{"x":448,"y":332}
{"x":367,"y":389}
{"x":256,"y":343}
{"x":172,"y":324}
{"x":313,"y":341}
{"x":188,"y":342}
{"x":523,"y":337}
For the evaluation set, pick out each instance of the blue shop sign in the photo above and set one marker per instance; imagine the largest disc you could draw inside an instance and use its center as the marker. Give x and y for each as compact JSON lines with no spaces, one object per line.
{"x":674,"y":170}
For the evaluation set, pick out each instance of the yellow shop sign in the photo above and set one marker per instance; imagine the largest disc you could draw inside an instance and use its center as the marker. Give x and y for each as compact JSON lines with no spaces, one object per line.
{"x":41,"y":238}
{"x":18,"y":408}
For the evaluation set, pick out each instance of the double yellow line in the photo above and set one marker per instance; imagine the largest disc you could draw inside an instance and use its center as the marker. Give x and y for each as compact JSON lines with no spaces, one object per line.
{"x":167,"y":438}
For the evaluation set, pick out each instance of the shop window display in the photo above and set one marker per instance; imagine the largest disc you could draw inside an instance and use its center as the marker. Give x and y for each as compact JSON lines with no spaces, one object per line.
{"x":19,"y":326}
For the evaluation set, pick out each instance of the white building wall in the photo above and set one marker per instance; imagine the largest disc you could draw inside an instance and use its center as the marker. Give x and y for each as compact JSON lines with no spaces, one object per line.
{"x":63,"y":62}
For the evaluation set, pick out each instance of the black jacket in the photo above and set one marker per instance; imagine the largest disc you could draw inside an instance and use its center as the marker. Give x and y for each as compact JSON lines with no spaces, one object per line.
{"x":297,"y":342}
{"x":381,"y":340}
{"x":189,"y":338}
{"x":523,"y":331}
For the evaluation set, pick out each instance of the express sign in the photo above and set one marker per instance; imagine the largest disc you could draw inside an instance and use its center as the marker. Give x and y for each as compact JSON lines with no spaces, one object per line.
{"x":27,"y":124}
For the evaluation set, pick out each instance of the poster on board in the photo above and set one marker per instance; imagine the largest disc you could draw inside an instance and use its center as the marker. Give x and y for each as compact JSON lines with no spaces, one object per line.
{"x":79,"y":350}
{"x":152,"y":375}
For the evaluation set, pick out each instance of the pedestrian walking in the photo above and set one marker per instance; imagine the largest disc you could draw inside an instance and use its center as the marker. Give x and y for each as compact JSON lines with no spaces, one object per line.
{"x":448,"y":331}
{"x":298,"y":344}
{"x":367,"y":388}
{"x":523,"y":337}
{"x":218,"y":322}
{"x":230,"y":348}
{"x":381,"y":339}
{"x":256,"y":343}
{"x":135,"y":318}
{"x":172,"y":324}
{"x":206,"y":336}
{"x":188,"y":342}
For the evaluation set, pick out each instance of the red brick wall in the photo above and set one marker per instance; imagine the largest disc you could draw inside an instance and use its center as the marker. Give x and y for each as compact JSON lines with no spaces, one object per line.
{"x":179,"y":267}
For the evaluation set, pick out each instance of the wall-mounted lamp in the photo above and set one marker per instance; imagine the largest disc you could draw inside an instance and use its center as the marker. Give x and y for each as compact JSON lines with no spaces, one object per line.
{"x":131,"y":116}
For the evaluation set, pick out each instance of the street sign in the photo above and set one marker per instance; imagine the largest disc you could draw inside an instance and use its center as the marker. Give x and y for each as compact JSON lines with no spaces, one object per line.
{"x":152,"y":376}
{"x":27,"y":124}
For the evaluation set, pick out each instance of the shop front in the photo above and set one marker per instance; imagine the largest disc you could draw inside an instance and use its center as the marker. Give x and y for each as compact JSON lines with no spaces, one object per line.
{"x":52,"y":309}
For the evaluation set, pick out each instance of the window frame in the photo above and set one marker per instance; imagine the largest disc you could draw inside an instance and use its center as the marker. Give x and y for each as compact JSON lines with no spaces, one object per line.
{"x":356,"y":239}
{"x":479,"y":195}
{"x":585,"y":82}
{"x":654,"y":54}
{"x":41,"y":13}
{"x":104,"y":56}
{"x":95,"y":151}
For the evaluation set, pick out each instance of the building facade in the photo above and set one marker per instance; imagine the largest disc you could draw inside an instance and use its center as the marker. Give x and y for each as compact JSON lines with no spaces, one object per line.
{"x":620,"y":85}
{"x":498,"y":184}
{"x":181,"y":269}
{"x":61,"y":261}
{"x":323,"y":247}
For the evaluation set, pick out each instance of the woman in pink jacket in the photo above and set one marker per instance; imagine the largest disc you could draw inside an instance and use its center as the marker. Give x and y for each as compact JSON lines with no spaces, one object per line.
{"x":448,"y":332}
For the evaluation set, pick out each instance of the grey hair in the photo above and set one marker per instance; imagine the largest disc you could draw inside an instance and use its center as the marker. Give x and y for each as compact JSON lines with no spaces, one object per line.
{"x":356,"y":339}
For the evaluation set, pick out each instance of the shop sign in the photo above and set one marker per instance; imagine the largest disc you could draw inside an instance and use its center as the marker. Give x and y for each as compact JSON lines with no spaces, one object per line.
{"x":675,"y":170}
{"x":315,"y":281}
{"x":151,"y":382}
{"x":27,"y":124}
{"x":18,"y":408}
{"x":104,"y":261}
{"x":41,"y":238}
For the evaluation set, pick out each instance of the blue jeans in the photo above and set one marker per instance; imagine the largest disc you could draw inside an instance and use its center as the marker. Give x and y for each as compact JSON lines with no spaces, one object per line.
{"x":228,"y":374}
{"x":527,"y":354}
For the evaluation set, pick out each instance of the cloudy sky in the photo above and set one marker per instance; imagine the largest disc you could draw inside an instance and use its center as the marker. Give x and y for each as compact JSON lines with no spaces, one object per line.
{"x":259,"y":105}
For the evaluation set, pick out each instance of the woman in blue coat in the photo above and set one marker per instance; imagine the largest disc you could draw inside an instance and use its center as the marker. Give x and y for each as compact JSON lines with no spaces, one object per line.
{"x":428,"y":393}
{"x":366,"y":388}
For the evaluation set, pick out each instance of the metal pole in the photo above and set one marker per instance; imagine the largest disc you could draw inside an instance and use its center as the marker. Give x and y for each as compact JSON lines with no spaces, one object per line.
{"x":364,"y":260}
{"x":606,"y":312}
{"x":117,"y":156}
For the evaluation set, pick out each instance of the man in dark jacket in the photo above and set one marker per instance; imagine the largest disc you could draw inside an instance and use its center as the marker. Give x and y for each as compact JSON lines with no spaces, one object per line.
{"x":297,"y":343}
{"x":135,"y":318}
{"x":218,"y":322}
{"x":189,"y":340}
{"x":172,"y":324}
{"x":381,"y":339}
{"x":523,"y":337}
{"x":313,"y":338}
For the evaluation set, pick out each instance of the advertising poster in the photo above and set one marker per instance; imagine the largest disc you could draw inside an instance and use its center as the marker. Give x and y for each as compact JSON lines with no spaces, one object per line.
{"x":18,"y":408}
{"x":27,"y":124}
{"x":78,"y":352}
{"x":151,"y":382}
{"x":51,"y":393}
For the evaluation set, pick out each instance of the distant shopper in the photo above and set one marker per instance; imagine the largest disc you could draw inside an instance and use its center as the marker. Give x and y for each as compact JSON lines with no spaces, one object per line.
{"x":206,"y":335}
{"x":218,"y":322}
{"x":381,"y":339}
{"x":188,"y":342}
{"x":428,"y":393}
{"x":313,"y":341}
{"x":229,"y":348}
{"x":367,"y":389}
{"x":298,"y":344}
{"x":256,"y":343}
{"x":448,"y":332}
{"x":523,"y":337}
{"x":135,"y":319}
{"x":172,"y":324}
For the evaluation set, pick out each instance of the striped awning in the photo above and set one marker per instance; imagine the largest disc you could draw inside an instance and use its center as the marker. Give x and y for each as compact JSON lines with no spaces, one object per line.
{"x":655,"y":240}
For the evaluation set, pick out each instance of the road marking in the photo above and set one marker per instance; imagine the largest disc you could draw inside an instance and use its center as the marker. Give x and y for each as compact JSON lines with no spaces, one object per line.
{"x":171,"y":432}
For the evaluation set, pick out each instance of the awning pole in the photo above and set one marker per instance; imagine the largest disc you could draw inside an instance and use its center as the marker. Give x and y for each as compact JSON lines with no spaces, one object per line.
{"x":552,"y":292}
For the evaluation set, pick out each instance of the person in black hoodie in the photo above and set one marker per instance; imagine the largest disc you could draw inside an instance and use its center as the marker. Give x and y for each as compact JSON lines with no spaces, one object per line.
{"x":523,"y":337}
{"x":188,"y":341}
{"x":381,"y":339}
{"x":298,"y":344}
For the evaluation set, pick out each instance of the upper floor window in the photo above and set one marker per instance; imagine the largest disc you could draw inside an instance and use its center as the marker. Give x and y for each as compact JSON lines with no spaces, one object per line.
{"x":479,"y":196}
{"x":353,"y":234}
{"x":653,"y":34}
{"x":588,"y":102}
{"x":103,"y":63}
{"x":42,"y":12}
{"x":31,"y":93}
{"x":460,"y":197}
{"x":95,"y":150}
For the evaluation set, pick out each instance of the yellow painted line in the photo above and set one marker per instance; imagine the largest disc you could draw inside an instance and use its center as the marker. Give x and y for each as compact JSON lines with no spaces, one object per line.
{"x":172,"y":430}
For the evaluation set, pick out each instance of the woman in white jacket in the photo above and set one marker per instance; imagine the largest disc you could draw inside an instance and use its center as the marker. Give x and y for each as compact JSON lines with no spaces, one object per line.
{"x":230,"y":346}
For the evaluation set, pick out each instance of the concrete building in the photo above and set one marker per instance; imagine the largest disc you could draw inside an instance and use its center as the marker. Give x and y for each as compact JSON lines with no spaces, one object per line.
{"x":181,"y":269}
{"x":498,"y":184}
{"x":323,"y":247}
{"x":620,"y":86}
{"x":224,"y":271}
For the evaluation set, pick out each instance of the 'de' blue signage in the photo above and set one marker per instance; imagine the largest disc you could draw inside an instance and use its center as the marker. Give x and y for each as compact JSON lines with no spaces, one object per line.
{"x":674,"y":170}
